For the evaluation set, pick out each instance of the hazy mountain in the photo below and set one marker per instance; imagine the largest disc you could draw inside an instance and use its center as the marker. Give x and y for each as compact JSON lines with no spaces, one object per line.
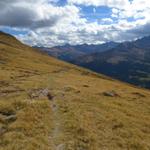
{"x":129,"y":61}
{"x":89,"y":48}
{"x":70,"y":52}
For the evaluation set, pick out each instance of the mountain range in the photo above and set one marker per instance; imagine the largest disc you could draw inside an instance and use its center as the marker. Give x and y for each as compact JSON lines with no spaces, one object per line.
{"x":70,"y":52}
{"x":127,"y":61}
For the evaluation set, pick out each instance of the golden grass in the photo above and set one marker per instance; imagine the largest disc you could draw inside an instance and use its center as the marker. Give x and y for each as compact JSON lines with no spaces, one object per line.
{"x":80,"y":116}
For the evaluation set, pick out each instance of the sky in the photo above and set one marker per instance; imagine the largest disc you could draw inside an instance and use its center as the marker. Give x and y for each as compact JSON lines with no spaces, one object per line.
{"x":58,"y":22}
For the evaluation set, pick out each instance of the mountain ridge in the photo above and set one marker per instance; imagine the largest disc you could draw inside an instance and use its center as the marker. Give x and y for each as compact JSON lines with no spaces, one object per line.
{"x":123,"y":61}
{"x":70,"y":52}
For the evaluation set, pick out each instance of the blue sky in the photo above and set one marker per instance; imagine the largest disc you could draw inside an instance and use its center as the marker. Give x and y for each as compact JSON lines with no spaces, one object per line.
{"x":58,"y":22}
{"x":96,"y":13}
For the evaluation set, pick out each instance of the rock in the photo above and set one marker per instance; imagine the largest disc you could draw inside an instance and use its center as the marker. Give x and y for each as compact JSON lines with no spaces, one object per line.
{"x":40,"y":93}
{"x":110,"y":94}
{"x":11,"y":118}
{"x":44,"y":92}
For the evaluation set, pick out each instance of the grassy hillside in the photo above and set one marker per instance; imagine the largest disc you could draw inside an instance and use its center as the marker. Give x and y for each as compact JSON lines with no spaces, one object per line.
{"x":46,"y":104}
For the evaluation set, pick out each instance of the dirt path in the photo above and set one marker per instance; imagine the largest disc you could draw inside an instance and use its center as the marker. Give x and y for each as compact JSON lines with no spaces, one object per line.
{"x":55,"y":137}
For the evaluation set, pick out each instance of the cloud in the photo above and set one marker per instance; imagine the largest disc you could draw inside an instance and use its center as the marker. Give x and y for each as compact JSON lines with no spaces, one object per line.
{"x":107,"y":20}
{"x":140,"y":31}
{"x":47,"y":24}
{"x":28,"y":14}
{"x":109,"y":3}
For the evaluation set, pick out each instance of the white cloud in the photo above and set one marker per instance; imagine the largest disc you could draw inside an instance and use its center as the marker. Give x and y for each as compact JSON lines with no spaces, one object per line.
{"x":107,"y":20}
{"x":115,"y":13}
{"x":28,"y":14}
{"x":109,"y":3}
{"x":47,"y":24}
